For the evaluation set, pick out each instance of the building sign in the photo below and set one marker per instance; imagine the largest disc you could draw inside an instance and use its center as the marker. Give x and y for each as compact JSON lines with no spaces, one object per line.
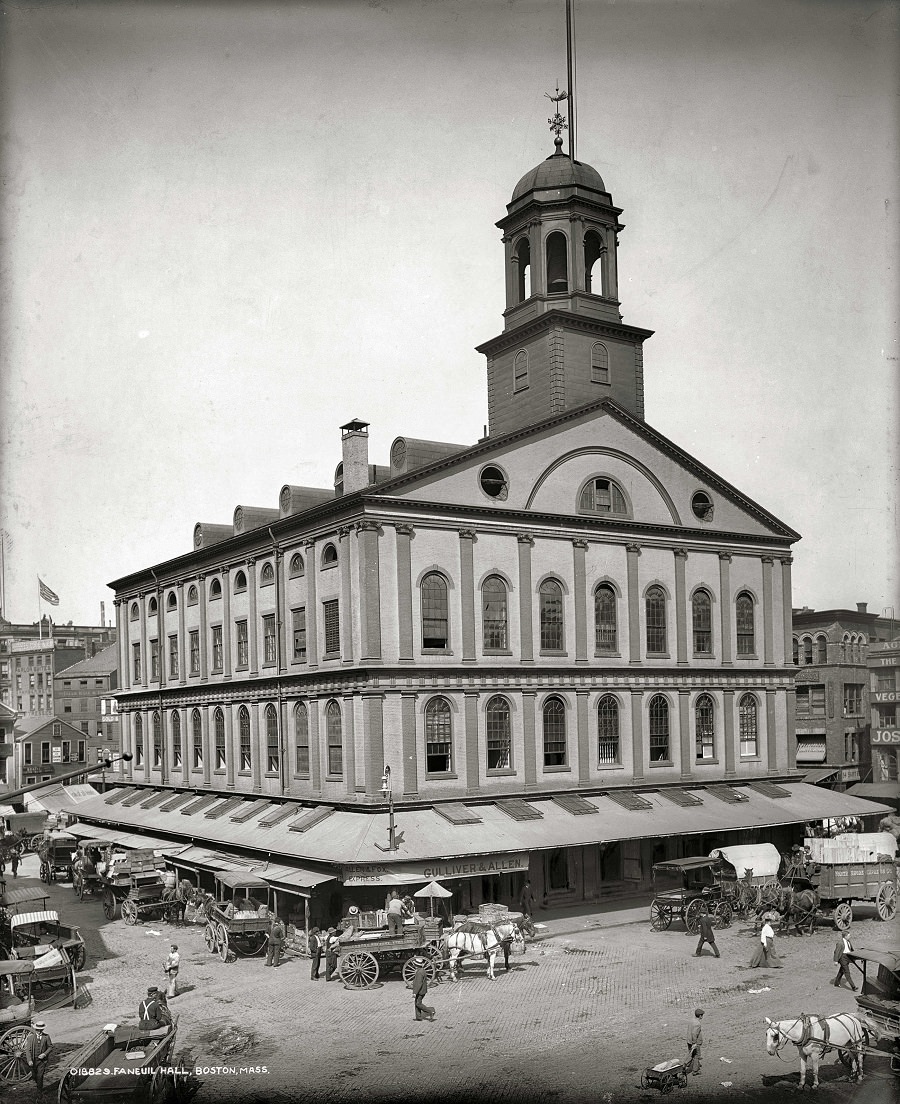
{"x":57,"y":755}
{"x":849,"y":774}
{"x":883,"y":697}
{"x":428,"y":869}
{"x":886,"y":736}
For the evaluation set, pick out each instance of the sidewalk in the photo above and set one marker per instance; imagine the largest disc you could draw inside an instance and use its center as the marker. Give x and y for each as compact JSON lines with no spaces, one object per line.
{"x":592,"y":916}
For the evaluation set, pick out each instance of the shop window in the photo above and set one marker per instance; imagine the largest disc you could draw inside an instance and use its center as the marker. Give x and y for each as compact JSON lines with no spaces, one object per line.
{"x":556,"y":870}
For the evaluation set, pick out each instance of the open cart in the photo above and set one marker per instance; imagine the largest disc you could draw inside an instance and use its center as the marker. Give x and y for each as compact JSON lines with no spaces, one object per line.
{"x":239,"y":920}
{"x":16,"y":1011}
{"x":685,"y":890}
{"x":879,"y":997}
{"x":57,"y":852}
{"x":40,"y":932}
{"x":366,"y":955}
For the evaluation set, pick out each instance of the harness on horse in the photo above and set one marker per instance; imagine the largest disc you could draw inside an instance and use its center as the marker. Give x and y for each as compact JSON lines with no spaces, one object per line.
{"x":807,"y":1038}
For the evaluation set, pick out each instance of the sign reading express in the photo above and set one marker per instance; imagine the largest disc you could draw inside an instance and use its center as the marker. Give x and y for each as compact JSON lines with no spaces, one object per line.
{"x":439,"y":869}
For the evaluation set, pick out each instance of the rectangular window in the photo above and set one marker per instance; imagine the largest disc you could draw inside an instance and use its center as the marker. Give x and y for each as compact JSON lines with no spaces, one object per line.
{"x":217,"y":655}
{"x":67,"y":709}
{"x":272,"y":755}
{"x":269,"y":650}
{"x":26,"y":748}
{"x":332,"y":627}
{"x":884,"y":682}
{"x":811,"y":700}
{"x":246,"y":756}
{"x":138,"y":748}
{"x":853,"y":704}
{"x":154,"y":660}
{"x":220,"y":749}
{"x":298,"y":617}
{"x":45,"y":753}
{"x":81,"y":751}
{"x":197,"y":750}
{"x":85,"y":727}
{"x":887,"y":715}
{"x":173,"y":656}
{"x":136,"y":653}
{"x":194,"y":641}
{"x":243,"y":645}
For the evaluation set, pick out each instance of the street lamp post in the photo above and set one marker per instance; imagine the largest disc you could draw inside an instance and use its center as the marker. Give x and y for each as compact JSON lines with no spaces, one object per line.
{"x":395,"y":838}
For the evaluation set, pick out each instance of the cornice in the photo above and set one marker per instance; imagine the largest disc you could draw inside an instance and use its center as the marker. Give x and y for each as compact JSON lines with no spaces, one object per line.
{"x":557,"y":317}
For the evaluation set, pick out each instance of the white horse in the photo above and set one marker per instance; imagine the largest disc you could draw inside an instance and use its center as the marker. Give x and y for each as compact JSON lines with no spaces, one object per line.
{"x":815,"y":1036}
{"x":472,"y":937}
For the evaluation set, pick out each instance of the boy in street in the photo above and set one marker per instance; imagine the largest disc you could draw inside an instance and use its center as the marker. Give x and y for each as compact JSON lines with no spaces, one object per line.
{"x":171,"y":968}
{"x":695,"y":1042}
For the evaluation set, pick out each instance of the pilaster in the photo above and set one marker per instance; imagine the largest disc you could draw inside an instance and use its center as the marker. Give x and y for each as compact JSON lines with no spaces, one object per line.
{"x":526,"y":598}
{"x":258,"y":748}
{"x":404,"y":535}
{"x":209,"y":751}
{"x":771,"y":732}
{"x":634,"y":605}
{"x":349,"y":744}
{"x":312,"y":609}
{"x":204,"y":630}
{"x":529,"y":739}
{"x":584,"y":746}
{"x":579,"y":548}
{"x":788,"y":628}
{"x":725,"y":605}
{"x":227,"y":632}
{"x":252,"y":627}
{"x":315,"y":749}
{"x":681,"y":639}
{"x":373,"y":705}
{"x":370,"y":588}
{"x":473,"y":782}
{"x":684,"y":733}
{"x":410,"y":749}
{"x":346,"y":607}
{"x":728,"y":715}
{"x":228,"y":711}
{"x":768,"y":613}
{"x":182,"y":651}
{"x":467,"y":592}
{"x":637,"y":734}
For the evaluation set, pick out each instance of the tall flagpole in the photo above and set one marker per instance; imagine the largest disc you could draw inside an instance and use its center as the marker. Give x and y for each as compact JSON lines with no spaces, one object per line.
{"x":570,"y":61}
{"x":40,"y":617}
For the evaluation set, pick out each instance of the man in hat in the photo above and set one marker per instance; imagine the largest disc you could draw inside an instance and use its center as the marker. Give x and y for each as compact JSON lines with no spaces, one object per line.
{"x":332,"y":943}
{"x":276,"y":942}
{"x":316,"y":939}
{"x":148,"y":1010}
{"x":36,"y":1051}
{"x":419,"y":986}
{"x":842,"y":951}
{"x":695,"y":1042}
{"x":707,"y":935}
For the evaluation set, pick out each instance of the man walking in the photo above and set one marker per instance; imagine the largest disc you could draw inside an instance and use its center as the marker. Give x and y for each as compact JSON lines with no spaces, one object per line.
{"x":315,"y":953}
{"x":695,"y":1042}
{"x":842,"y":951}
{"x":36,"y":1051}
{"x":15,"y":864}
{"x":171,"y":968}
{"x":707,"y":935}
{"x":419,"y":987}
{"x":276,"y":942}
{"x":526,"y":899}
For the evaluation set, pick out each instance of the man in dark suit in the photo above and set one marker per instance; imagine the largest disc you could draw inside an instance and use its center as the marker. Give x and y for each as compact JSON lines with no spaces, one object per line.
{"x":842,"y":951}
{"x":707,"y":935}
{"x":315,"y":953}
{"x":419,"y":986}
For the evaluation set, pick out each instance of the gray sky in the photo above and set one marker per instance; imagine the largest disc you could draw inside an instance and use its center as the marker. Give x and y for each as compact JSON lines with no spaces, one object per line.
{"x":229,"y":228}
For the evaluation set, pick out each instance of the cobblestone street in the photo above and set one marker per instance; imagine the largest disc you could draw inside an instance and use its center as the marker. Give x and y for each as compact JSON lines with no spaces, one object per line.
{"x":577,"y":1018}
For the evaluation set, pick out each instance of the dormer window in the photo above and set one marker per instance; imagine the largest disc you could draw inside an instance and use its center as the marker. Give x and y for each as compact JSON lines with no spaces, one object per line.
{"x":603,"y":496}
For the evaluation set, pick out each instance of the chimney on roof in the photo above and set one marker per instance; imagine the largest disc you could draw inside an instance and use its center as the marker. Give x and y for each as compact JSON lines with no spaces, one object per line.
{"x":861,"y":607}
{"x":102,"y":615}
{"x":355,"y":449}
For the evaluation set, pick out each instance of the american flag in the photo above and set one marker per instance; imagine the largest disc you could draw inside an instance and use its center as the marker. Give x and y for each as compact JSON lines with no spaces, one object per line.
{"x":47,"y":594}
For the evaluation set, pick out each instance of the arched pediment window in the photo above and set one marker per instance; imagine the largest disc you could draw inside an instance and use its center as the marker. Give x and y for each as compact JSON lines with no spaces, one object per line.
{"x":152,"y":606}
{"x":267,"y":574}
{"x":171,"y":601}
{"x":704,"y":726}
{"x":301,"y":737}
{"x":215,"y":589}
{"x":273,"y":755}
{"x":196,"y":740}
{"x":435,"y":615}
{"x":605,"y":620}
{"x":602,"y":496}
{"x":599,"y":363}
{"x":240,"y":582}
{"x":821,"y":649}
{"x":554,"y":717}
{"x":296,"y":565}
{"x":657,"y":639}
{"x":494,"y":615}
{"x":701,"y":613}
{"x":557,"y":263}
{"x":329,"y":555}
{"x":135,"y":611}
{"x":499,"y":734}
{"x":744,"y":620}
{"x":659,"y":729}
{"x":219,"y":732}
{"x":607,"y":731}
{"x":520,"y":370}
{"x":245,"y":746}
{"x":335,"y":740}
{"x":748,"y":722}
{"x":176,"y":739}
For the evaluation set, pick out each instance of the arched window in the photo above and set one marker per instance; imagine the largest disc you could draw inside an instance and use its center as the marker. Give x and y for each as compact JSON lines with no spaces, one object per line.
{"x":594,"y":273}
{"x":796,"y":652}
{"x":296,"y":565}
{"x":499,"y":738}
{"x":135,"y":611}
{"x":701,"y":606}
{"x":176,"y":740}
{"x":557,"y":264}
{"x":821,"y":649}
{"x":807,"y":651}
{"x":523,"y":269}
{"x":215,"y":589}
{"x":435,"y":624}
{"x":551,"y":615}
{"x":329,"y":555}
{"x":273,"y":751}
{"x":657,"y":638}
{"x":599,"y":363}
{"x":152,"y":606}
{"x":743,"y":615}
{"x":193,"y":597}
{"x":520,"y":371}
{"x":659,"y":729}
{"x":301,"y":737}
{"x":157,"y":739}
{"x":705,"y":727}
{"x":334,"y":739}
{"x":267,"y":574}
{"x":438,"y":737}
{"x":605,"y":627}
{"x":554,"y":733}
{"x":494,"y":614}
{"x":602,"y":496}
{"x":138,"y":740}
{"x":240,"y":582}
{"x":748,"y":725}
{"x":196,"y":740}
{"x":607,"y":731}
{"x":245,"y":748}
{"x":171,"y":601}
{"x":219,"y":727}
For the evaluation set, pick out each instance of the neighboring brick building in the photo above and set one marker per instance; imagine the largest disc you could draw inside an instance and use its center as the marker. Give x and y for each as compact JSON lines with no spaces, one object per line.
{"x":43,"y":748}
{"x":82,"y":693}
{"x":884,"y":686}
{"x":7,"y":724}
{"x":572,"y":616}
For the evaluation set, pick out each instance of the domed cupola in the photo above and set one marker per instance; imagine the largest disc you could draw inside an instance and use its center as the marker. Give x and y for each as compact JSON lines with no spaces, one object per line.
{"x":564,"y":343}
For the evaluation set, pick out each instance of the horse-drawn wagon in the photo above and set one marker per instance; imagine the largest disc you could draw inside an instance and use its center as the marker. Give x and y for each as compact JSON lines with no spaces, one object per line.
{"x":132,"y":883}
{"x":748,"y":875}
{"x":34,"y":933}
{"x":234,"y":923}
{"x":16,"y":1010}
{"x":125,"y":1064}
{"x":57,"y":852}
{"x":879,"y":998}
{"x":690,"y":890}
{"x":366,"y":955}
{"x":852,"y":867}
{"x":21,"y":899}
{"x":86,"y":878}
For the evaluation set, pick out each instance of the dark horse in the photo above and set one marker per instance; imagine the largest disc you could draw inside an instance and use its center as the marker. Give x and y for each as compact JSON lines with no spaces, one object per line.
{"x":798,"y":903}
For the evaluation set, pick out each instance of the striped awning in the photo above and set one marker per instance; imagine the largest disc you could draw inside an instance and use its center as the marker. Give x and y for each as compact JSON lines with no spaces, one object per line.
{"x":811,"y":750}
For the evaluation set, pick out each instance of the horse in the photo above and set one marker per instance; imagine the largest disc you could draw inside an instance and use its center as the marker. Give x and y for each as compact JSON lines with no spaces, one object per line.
{"x":815,"y":1036}
{"x":479,"y":939}
{"x":798,"y":906}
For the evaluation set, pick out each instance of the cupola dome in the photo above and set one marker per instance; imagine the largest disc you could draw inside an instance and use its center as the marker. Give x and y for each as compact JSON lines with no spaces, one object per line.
{"x":559,"y":171}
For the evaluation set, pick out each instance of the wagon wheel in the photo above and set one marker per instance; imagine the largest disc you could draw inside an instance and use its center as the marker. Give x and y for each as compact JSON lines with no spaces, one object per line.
{"x":110,"y":904}
{"x":722,"y":914}
{"x":431,"y":969}
{"x":660,"y":917}
{"x":45,"y":872}
{"x":78,"y":956}
{"x":35,"y":842}
{"x":19,"y":849}
{"x":435,"y":952}
{"x":751,"y":897}
{"x":13,"y":1065}
{"x":358,"y":969}
{"x":692,"y":914}
{"x":64,"y":1093}
{"x":160,"y":1086}
{"x":222,"y":941}
{"x":843,"y":915}
{"x":129,"y":911}
{"x":770,"y":893}
{"x":886,"y":901}
{"x":211,"y":937}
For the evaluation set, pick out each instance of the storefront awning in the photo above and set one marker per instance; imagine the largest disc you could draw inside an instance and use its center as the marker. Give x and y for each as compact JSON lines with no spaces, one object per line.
{"x":822,"y":774}
{"x":56,"y":799}
{"x":131,"y":841}
{"x":876,"y":791}
{"x":293,"y":879}
{"x":811,"y":750}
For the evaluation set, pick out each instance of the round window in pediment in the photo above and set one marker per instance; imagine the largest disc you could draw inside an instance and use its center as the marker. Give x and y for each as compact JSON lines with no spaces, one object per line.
{"x":494,"y":482}
{"x":702,"y":505}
